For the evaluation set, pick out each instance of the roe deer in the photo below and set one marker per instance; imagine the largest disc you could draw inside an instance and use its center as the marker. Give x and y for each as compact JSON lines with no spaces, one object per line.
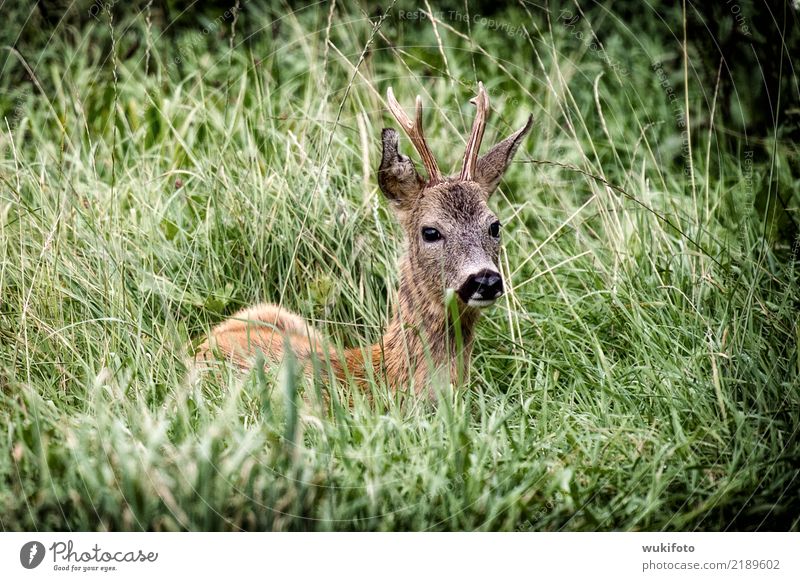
{"x":453,"y":241}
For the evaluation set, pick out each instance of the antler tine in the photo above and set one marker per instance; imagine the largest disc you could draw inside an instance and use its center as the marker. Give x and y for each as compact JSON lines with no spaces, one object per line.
{"x":481,"y":102}
{"x":416,"y":135}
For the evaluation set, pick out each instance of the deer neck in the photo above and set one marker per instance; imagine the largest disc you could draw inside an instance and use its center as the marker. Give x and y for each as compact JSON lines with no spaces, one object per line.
{"x":424,"y":338}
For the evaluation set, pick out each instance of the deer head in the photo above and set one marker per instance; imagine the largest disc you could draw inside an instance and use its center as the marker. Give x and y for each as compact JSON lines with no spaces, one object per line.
{"x":453,"y":237}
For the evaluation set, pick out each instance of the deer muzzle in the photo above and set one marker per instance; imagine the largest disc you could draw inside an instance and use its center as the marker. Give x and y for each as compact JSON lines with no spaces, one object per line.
{"x":482,"y":288}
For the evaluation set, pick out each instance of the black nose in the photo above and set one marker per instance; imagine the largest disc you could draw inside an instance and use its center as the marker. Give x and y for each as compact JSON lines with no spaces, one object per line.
{"x":482,"y":287}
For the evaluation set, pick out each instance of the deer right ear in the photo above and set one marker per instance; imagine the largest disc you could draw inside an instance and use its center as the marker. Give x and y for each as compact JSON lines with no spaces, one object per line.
{"x":397,"y":176}
{"x":491,"y":167}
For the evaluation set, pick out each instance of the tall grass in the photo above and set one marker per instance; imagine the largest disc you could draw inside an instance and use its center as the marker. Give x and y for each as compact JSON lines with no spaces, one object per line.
{"x":641,"y":373}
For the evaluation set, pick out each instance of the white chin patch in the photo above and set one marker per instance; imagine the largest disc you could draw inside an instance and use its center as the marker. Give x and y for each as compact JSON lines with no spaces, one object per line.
{"x":480,"y":303}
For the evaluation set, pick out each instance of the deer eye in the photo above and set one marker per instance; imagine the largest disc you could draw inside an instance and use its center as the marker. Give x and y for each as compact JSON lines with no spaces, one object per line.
{"x":431,"y":234}
{"x":494,"y":229}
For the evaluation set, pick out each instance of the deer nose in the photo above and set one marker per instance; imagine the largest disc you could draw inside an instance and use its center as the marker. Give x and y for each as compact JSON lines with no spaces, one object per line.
{"x":481,"y":288}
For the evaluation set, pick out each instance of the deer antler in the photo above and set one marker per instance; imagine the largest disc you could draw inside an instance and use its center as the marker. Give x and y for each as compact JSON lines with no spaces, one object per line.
{"x":415,"y":134}
{"x":481,"y":102}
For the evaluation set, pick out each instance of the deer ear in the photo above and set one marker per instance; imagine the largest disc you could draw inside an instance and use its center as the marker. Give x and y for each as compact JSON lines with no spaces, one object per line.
{"x":397,"y":176}
{"x":490,"y":168}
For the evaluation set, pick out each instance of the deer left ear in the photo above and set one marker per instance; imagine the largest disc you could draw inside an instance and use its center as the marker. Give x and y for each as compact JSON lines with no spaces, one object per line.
{"x":397,"y":176}
{"x":490,"y":168}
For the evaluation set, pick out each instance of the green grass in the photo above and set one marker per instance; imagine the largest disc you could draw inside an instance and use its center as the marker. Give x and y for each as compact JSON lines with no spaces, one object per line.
{"x":642,"y":373}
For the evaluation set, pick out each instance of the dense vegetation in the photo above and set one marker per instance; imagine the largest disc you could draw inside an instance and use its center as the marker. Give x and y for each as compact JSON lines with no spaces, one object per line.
{"x":161,"y":168}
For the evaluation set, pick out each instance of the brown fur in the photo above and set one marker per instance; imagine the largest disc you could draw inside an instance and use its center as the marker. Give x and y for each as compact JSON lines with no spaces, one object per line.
{"x":420,"y":342}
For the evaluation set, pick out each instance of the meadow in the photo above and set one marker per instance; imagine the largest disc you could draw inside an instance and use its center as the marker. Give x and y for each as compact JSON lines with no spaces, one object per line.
{"x":641,"y":373}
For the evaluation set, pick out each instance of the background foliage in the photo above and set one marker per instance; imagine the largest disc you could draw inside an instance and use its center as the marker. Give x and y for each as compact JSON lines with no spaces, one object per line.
{"x":163,"y":164}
